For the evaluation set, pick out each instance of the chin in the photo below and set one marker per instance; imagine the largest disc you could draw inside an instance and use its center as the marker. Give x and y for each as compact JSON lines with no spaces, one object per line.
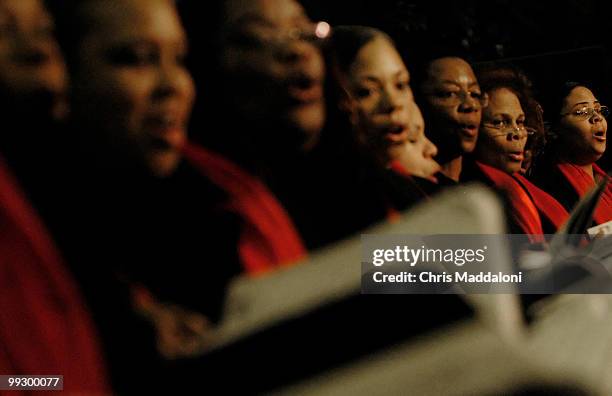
{"x":512,"y":168}
{"x":309,"y":119}
{"x":163,"y":165}
{"x":468,"y":146}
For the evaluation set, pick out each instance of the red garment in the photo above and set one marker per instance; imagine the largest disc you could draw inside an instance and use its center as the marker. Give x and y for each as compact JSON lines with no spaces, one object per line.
{"x":583,"y":183}
{"x":269,"y":238}
{"x":524,"y":211}
{"x":45,"y":327}
{"x":398,"y":168}
{"x":547,"y":206}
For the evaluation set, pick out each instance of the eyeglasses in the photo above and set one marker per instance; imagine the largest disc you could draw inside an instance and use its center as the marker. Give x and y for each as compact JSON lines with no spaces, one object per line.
{"x":270,"y":37}
{"x":586,"y":113}
{"x":455,"y":98}
{"x":506,"y":129}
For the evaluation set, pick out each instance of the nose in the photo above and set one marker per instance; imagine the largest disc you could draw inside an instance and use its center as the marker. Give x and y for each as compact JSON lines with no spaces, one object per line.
{"x":173,"y":80}
{"x":390,"y":101}
{"x":298,"y":50}
{"x":430,"y":150}
{"x":468,"y":104}
{"x":596,"y":117}
{"x":516,"y":134}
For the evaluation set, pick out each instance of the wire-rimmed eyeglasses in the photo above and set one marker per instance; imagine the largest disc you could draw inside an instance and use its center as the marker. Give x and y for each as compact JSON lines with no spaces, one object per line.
{"x":586,"y":113}
{"x":508,"y":130}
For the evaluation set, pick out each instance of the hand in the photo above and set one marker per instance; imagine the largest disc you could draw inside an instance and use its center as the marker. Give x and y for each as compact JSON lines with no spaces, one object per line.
{"x":179,"y":332}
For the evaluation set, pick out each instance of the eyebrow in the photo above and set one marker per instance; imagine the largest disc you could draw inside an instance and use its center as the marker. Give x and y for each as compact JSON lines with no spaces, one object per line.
{"x":370,"y":79}
{"x":472,"y":84}
{"x":507,"y":115}
{"x":403,"y":73}
{"x":580,"y":103}
{"x":583,"y":103}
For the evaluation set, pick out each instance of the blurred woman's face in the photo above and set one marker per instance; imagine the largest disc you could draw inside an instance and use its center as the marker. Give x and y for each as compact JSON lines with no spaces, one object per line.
{"x":274,"y":67}
{"x":503,"y":136}
{"x":32,"y":70}
{"x":388,"y":120}
{"x":582,"y":127}
{"x":454,"y":104}
{"x":131,"y":88}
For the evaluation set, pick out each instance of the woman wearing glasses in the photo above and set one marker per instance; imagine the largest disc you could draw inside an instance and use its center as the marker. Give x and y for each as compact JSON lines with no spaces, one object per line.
{"x":508,"y":121}
{"x":568,"y":169}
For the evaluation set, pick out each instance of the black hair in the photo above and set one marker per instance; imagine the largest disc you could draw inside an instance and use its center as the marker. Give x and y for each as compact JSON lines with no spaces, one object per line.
{"x":492,"y":77}
{"x":555,"y":100}
{"x":346,"y":41}
{"x":495,"y":77}
{"x":424,"y":55}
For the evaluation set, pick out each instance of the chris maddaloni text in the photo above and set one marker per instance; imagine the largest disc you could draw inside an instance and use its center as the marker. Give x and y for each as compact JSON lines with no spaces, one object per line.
{"x":434,"y":277}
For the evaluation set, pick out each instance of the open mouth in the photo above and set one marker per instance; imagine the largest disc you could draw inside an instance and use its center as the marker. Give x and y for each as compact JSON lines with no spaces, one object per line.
{"x":165,"y":131}
{"x":396,"y":133}
{"x":470,"y":130}
{"x":517,"y":156}
{"x":599,"y":136}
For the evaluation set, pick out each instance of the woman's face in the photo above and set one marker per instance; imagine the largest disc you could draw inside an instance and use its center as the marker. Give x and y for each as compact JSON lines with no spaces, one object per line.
{"x":416,"y":156}
{"x":274,"y":68}
{"x":503,"y":137}
{"x":454,"y":104}
{"x":581,"y":129}
{"x":131,"y":88}
{"x":388,"y":120}
{"x":32,"y":70}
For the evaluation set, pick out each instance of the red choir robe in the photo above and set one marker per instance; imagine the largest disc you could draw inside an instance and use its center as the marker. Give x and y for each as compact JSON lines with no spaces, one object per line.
{"x":523,"y":210}
{"x":45,"y":327}
{"x":582,"y":183}
{"x":269,"y":238}
{"x":547,"y":206}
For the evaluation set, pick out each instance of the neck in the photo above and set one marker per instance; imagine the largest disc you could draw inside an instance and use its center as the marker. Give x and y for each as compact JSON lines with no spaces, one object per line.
{"x":584,"y":164}
{"x":588,"y":169}
{"x":452,"y":168}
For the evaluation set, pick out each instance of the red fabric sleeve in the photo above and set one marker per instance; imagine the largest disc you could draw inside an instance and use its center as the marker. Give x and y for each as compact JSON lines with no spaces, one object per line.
{"x":545,"y":203}
{"x":524,"y":211}
{"x":45,"y":327}
{"x":269,"y":238}
{"x":583,"y":183}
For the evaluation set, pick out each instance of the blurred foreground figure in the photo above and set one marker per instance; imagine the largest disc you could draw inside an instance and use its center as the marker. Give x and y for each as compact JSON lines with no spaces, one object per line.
{"x":45,"y":324}
{"x":144,"y":230}
{"x":315,"y":180}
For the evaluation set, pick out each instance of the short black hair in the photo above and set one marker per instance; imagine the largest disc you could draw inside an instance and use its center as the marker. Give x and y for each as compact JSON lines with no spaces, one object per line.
{"x":555,"y":99}
{"x":347,"y":40}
